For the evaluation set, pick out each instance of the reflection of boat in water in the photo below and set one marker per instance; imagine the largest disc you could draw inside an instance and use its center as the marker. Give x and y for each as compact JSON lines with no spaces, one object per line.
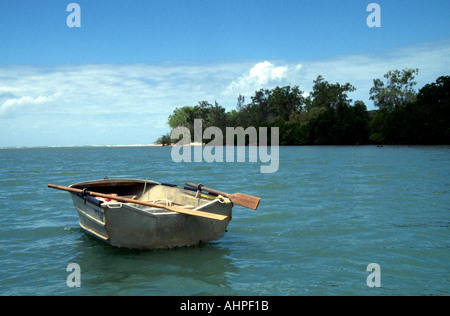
{"x":208,"y":269}
{"x":146,"y":214}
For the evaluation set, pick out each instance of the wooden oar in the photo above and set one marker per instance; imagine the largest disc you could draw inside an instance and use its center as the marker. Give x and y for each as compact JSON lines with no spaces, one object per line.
{"x":125,"y":200}
{"x":237,"y":198}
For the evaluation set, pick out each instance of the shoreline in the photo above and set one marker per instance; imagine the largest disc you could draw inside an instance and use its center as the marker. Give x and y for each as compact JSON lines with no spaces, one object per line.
{"x":195,"y":145}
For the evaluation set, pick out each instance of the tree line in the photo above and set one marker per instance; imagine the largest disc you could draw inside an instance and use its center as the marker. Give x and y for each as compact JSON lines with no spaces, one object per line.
{"x":327,"y":116}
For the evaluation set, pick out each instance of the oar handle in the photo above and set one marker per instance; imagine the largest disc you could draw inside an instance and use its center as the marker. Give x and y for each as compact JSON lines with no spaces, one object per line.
{"x":201,"y":187}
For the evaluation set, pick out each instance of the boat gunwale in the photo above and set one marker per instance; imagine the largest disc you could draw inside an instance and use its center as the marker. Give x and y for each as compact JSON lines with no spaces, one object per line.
{"x":132,"y":206}
{"x":112,"y":182}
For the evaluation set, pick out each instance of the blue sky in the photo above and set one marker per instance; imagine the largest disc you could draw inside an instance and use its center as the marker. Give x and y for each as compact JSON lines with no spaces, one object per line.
{"x":131,"y":63}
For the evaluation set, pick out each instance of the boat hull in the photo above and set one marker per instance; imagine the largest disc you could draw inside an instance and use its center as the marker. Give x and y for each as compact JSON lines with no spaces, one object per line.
{"x":139,"y":227}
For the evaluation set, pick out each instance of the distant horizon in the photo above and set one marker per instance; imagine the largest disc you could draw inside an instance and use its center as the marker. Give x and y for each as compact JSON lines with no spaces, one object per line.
{"x":75,"y":146}
{"x":158,"y":145}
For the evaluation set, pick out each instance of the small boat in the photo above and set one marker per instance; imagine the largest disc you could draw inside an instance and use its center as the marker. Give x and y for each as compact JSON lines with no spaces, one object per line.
{"x":143,"y":214}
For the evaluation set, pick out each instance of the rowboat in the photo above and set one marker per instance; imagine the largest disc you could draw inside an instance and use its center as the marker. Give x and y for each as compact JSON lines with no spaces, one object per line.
{"x":144,"y":214}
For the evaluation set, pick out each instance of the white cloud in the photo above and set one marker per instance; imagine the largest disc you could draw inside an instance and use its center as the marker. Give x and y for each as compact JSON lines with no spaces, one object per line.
{"x":138,"y":98}
{"x":265,"y":72}
{"x":15,"y":103}
{"x":261,"y":75}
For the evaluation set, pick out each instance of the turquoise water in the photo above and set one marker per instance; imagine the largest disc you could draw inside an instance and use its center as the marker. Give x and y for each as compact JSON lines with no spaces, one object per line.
{"x":324,"y":216}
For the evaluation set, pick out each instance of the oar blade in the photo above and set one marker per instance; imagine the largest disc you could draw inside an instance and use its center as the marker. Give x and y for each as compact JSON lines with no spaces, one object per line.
{"x":241,"y":199}
{"x":245,"y":200}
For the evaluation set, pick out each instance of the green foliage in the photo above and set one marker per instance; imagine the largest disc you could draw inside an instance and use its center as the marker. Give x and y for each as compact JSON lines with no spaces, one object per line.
{"x":424,"y":119}
{"x":433,"y":105}
{"x":398,"y":90}
{"x":212,"y":115}
{"x":164,"y":140}
{"x":328,"y":95}
{"x":328,"y":117}
{"x":268,"y":106}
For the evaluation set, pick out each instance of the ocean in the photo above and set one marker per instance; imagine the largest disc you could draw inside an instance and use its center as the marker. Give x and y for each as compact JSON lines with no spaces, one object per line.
{"x":325,"y":216}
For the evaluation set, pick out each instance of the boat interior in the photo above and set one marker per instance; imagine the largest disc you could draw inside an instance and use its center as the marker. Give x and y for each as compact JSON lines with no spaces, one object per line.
{"x":147,"y":190}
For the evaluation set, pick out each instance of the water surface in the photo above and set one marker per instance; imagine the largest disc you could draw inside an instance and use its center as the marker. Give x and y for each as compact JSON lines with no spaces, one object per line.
{"x":324,"y":216}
